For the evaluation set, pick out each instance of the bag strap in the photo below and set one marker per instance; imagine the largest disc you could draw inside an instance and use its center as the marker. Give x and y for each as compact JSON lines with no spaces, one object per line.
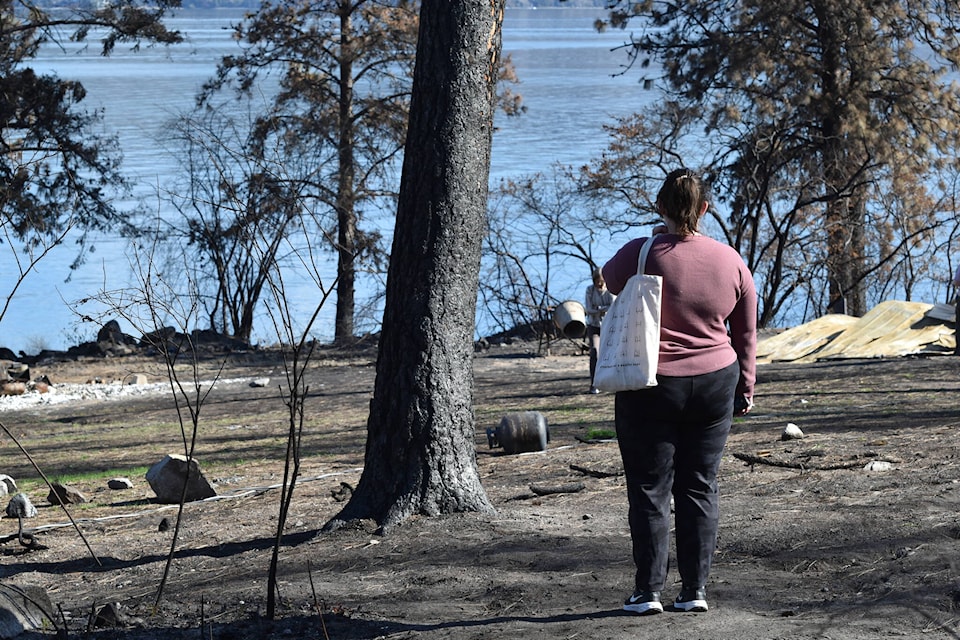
{"x":644,"y":251}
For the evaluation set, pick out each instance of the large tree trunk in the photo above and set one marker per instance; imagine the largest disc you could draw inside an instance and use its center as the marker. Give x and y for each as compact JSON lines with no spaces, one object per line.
{"x":420,"y":455}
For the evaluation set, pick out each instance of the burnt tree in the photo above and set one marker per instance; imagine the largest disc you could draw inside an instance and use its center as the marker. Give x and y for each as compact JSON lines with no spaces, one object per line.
{"x":420,"y":455}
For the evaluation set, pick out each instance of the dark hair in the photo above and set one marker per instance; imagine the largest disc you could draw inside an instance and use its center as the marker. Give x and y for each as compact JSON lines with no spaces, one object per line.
{"x":681,"y":198}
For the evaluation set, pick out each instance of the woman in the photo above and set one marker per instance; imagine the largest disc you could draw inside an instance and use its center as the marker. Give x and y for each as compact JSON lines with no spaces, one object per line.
{"x":598,"y":299}
{"x":672,"y":436}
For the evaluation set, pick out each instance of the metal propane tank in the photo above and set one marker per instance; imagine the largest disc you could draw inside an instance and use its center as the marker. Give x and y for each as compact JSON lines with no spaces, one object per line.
{"x":520,"y":432}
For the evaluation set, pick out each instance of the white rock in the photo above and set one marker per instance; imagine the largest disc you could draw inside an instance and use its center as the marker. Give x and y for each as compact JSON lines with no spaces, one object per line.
{"x":118,"y":484}
{"x":791,"y":432}
{"x":20,"y":505}
{"x":8,"y":485}
{"x":878,"y":465}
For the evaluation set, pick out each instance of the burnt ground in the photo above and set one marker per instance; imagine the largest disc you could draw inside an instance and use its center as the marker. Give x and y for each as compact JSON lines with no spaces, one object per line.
{"x":812,"y":545}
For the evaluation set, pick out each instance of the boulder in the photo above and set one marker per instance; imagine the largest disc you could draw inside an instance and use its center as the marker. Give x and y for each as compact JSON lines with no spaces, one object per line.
{"x":23,"y":609}
{"x":20,"y":506}
{"x":168,"y":477}
{"x":66,"y":493}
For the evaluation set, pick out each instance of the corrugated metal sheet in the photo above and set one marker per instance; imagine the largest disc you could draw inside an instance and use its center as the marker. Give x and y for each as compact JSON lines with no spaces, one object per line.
{"x":802,"y":340}
{"x":891,"y":329}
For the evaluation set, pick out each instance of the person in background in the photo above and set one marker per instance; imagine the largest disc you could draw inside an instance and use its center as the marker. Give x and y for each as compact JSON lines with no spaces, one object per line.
{"x":672,"y":436}
{"x":598,"y":300}
{"x":956,"y":321}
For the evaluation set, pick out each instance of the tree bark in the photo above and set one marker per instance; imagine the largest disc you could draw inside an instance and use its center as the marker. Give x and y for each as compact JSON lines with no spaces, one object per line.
{"x":845,"y":214}
{"x":346,"y":195}
{"x":420,"y":456}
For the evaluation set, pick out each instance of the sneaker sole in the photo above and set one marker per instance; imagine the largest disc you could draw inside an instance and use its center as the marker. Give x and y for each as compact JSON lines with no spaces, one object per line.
{"x":693,"y":606}
{"x":644,"y":608}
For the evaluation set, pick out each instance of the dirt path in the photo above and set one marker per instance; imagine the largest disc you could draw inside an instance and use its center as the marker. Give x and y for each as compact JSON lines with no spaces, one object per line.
{"x":812,"y":545}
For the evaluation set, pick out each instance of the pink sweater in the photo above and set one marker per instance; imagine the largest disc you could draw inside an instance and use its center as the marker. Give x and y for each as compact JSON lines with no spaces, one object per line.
{"x":705,"y":286}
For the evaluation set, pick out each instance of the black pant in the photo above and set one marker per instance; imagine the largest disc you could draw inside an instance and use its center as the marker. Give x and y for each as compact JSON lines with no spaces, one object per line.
{"x":956,"y":328}
{"x":593,"y":339}
{"x":671,"y":439}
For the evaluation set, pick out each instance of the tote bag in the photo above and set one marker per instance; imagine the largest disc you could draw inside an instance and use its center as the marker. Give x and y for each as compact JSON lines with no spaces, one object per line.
{"x":630,"y":334}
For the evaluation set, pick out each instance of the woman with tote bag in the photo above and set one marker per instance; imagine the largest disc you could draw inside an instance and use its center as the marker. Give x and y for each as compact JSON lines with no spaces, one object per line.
{"x":672,"y":435}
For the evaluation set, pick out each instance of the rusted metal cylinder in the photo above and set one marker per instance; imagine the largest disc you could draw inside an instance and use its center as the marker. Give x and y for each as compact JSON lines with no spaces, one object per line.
{"x":520,"y":432}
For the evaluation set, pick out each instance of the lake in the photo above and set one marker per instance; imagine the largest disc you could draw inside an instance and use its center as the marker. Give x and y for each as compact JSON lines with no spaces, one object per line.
{"x":569,"y":82}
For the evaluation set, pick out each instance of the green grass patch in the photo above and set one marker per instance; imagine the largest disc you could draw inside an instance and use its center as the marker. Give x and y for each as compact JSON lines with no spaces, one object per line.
{"x":601,"y":434}
{"x":36,"y":484}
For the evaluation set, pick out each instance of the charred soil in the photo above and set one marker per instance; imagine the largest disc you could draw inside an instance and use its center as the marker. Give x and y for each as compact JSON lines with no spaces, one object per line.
{"x":812,"y":543}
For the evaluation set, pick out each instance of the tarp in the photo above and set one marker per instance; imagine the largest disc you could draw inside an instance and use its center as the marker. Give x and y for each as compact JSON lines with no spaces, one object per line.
{"x":891,"y":329}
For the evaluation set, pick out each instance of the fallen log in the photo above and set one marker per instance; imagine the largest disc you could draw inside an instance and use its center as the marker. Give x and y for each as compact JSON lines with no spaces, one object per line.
{"x":752,"y":459}
{"x":571,"y":487}
{"x":596,"y":473}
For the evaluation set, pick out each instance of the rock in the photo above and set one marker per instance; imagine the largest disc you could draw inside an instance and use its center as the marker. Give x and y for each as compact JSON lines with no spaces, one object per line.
{"x":13,"y":388}
{"x":791,"y":432}
{"x":23,"y":609}
{"x":9,"y":485}
{"x":108,"y":616}
{"x":137,"y":378}
{"x":20,"y":506}
{"x":18,"y":372}
{"x":343,"y":492}
{"x":118,"y":484}
{"x":66,"y":493}
{"x":260,"y":382}
{"x":878,"y":465}
{"x":110,"y":334}
{"x":168,"y":476}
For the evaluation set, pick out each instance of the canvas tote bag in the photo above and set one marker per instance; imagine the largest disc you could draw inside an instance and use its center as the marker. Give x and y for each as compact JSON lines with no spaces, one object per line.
{"x":630,"y":333}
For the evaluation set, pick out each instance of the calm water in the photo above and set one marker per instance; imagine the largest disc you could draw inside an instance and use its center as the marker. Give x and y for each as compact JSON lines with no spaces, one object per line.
{"x":569,"y":86}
